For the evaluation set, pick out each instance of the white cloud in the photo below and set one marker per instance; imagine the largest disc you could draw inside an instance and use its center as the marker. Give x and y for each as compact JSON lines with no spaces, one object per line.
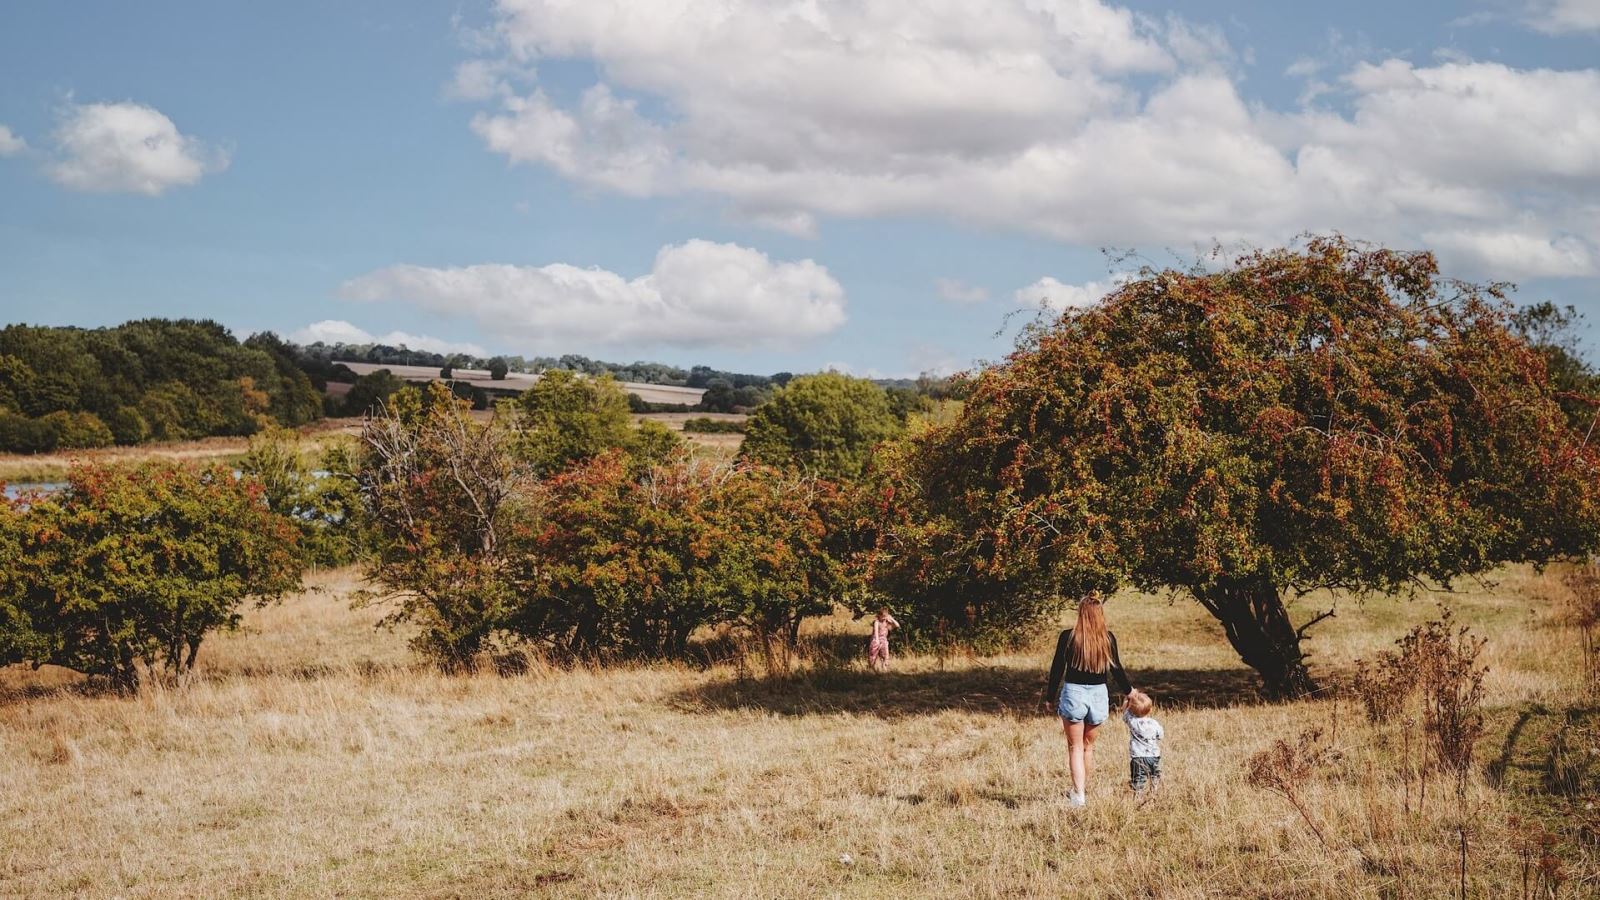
{"x":336,"y":331}
{"x":1048,"y":293}
{"x":957,"y":291}
{"x":697,"y":294}
{"x":127,"y":147}
{"x":10,"y":144}
{"x":1075,"y":119}
{"x":1563,"y":16}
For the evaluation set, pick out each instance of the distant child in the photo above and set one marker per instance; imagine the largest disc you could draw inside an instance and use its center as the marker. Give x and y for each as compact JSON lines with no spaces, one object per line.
{"x":878,"y":647}
{"x":1144,"y":742}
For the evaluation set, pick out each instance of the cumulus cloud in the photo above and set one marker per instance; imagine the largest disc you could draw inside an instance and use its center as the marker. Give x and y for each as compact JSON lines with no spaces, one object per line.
{"x":11,"y":144}
{"x":127,"y":148}
{"x":697,"y":294}
{"x":957,"y":291}
{"x":1048,"y":293}
{"x":1563,"y":16}
{"x":337,"y":331}
{"x":1076,"y":119}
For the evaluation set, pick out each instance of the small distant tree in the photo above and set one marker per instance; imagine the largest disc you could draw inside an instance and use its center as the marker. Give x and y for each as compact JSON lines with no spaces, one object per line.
{"x":719,"y":396}
{"x":498,"y":369}
{"x":653,"y":443}
{"x":826,"y":425}
{"x":129,"y":568}
{"x":565,"y":418}
{"x":79,"y":430}
{"x":1330,"y":417}
{"x":448,"y":372}
{"x":370,"y":391}
{"x":439,"y":490}
{"x":322,"y":500}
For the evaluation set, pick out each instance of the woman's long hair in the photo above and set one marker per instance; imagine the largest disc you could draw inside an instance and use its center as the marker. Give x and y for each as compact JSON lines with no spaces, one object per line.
{"x":1091,"y":642}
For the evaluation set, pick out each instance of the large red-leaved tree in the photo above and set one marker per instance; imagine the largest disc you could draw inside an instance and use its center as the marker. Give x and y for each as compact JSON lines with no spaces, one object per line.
{"x":1329,"y":416}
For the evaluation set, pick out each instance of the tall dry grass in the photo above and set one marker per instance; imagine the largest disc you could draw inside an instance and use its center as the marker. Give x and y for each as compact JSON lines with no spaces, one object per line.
{"x":315,"y":758}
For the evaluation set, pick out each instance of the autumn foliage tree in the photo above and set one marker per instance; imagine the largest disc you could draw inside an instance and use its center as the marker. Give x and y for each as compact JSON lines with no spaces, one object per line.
{"x":1333,"y":416}
{"x":440,"y":492}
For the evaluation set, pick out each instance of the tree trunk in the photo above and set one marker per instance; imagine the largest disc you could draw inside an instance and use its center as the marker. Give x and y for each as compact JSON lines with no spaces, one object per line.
{"x":1257,"y":624}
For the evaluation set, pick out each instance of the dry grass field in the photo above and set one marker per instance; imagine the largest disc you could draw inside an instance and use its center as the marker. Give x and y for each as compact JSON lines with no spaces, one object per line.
{"x":18,"y":468}
{"x":314,"y":757}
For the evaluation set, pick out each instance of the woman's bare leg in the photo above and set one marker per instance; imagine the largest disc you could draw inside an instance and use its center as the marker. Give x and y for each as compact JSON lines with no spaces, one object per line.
{"x":1088,"y":754}
{"x":1075,"y":754}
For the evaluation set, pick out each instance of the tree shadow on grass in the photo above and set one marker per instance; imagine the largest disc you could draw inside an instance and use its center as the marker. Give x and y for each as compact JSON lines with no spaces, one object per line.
{"x":992,"y":690}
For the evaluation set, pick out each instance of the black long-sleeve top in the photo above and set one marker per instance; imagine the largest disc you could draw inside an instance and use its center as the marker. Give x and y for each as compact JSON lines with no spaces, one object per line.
{"x":1060,"y":672}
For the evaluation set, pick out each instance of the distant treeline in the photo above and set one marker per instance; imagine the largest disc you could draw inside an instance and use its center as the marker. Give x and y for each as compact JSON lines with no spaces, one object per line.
{"x":153,"y":379}
{"x":159,"y":379}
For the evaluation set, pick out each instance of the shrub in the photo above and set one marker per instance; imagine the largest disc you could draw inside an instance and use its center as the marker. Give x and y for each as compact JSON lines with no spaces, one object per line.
{"x":131,"y":567}
{"x":704,"y":425}
{"x":440,"y":491}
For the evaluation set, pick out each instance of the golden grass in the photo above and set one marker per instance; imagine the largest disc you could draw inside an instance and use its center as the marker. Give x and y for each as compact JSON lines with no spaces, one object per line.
{"x":316,"y":758}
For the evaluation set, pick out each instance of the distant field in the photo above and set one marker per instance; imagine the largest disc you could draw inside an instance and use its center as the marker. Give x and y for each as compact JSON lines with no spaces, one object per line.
{"x":315,"y":757}
{"x":518,"y":381}
{"x":723,"y":444}
{"x":17,"y":467}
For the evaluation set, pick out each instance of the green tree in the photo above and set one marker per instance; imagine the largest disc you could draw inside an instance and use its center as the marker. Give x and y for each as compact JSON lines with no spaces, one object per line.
{"x":565,"y":418}
{"x":129,"y":568}
{"x":78,"y":430}
{"x":1553,"y":331}
{"x":498,"y":369}
{"x":371,"y":391}
{"x":1335,"y":416}
{"x":824,"y":424}
{"x":653,"y":443}
{"x":718,"y":397}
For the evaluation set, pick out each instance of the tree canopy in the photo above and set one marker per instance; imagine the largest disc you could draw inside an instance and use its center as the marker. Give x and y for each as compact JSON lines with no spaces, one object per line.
{"x":1332,"y":416}
{"x":150,"y":379}
{"x":825,"y":424}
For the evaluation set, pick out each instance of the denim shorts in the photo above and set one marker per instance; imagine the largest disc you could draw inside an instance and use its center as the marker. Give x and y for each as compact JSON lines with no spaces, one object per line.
{"x":1084,"y":703}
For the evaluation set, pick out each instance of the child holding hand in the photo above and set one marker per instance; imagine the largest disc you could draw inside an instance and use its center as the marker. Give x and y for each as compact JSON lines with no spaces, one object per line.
{"x":1144,"y":742}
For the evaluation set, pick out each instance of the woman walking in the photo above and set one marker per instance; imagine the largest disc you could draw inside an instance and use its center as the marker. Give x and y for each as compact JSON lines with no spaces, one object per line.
{"x":1085,"y":655}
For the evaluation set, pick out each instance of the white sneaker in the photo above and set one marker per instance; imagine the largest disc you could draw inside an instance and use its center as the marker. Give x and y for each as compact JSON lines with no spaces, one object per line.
{"x":1075,"y":800}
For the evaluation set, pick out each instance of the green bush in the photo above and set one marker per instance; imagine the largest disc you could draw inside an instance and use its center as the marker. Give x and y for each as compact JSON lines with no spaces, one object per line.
{"x":704,"y":425}
{"x":128,"y":569}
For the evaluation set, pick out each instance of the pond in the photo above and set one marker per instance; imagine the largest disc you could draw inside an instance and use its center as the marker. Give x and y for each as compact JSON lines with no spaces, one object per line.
{"x":13,"y":491}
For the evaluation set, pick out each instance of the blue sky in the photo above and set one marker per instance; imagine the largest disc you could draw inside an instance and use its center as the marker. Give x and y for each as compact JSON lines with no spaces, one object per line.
{"x":765,"y":185}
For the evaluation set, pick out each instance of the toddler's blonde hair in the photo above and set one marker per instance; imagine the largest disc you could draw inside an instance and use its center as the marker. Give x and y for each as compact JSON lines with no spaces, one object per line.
{"x":1140,"y":704}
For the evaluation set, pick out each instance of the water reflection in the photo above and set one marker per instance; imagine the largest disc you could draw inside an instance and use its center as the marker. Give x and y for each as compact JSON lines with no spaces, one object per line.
{"x":13,"y":491}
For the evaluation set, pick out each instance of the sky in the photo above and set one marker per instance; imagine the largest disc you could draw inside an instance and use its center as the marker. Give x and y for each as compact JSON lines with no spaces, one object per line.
{"x":885,"y":187}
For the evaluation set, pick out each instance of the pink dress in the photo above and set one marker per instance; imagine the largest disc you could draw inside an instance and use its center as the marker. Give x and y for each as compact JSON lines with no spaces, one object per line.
{"x":878,"y":648}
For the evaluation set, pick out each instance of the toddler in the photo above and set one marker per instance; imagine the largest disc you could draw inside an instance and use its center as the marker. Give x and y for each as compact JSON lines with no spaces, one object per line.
{"x":1144,"y":742}
{"x":878,"y":647}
